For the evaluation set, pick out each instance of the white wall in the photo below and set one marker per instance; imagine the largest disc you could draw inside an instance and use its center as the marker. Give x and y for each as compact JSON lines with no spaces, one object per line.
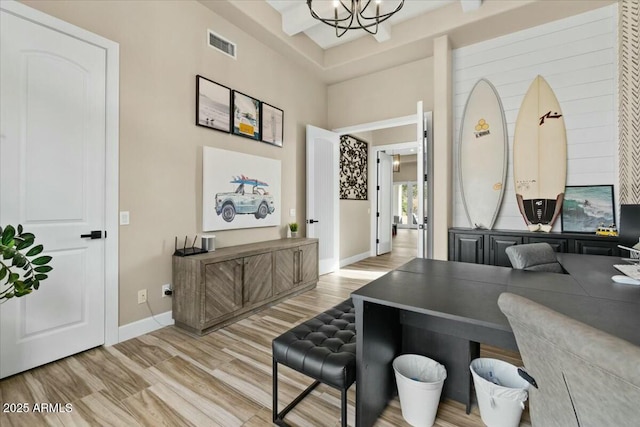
{"x":577,"y":56}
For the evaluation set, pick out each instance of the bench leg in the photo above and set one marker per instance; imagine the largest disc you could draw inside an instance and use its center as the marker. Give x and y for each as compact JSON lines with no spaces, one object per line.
{"x":343,"y":395}
{"x":278,"y":418}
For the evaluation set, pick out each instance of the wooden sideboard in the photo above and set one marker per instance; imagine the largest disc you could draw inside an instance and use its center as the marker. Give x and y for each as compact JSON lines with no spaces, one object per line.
{"x":488,"y":246}
{"x":217,"y":288}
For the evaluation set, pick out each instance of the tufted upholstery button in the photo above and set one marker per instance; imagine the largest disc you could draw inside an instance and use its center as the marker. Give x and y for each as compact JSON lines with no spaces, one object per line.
{"x":324,"y":348}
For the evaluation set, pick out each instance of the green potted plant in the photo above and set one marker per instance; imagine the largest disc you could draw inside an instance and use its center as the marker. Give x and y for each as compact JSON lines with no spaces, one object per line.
{"x":294,"y":229}
{"x":20,"y":273}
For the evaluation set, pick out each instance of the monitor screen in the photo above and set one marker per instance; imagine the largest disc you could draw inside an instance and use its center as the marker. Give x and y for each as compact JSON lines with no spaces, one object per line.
{"x":629,"y":225}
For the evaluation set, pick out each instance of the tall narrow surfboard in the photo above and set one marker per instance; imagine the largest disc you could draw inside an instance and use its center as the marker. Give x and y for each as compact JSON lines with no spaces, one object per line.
{"x":482,"y":159}
{"x":540,"y":157}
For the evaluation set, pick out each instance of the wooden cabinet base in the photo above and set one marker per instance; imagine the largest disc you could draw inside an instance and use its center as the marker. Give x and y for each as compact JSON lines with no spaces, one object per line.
{"x":239,"y":315}
{"x":218,"y":288}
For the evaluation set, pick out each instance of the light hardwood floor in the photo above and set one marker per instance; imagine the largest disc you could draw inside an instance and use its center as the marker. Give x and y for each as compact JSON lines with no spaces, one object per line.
{"x":170,"y":378}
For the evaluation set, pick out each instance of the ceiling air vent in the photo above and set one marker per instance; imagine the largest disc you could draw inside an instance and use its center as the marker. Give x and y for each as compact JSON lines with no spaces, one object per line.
{"x":218,"y":42}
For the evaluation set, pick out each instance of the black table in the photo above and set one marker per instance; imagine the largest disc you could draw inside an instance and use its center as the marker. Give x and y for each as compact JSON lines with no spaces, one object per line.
{"x":445,"y":309}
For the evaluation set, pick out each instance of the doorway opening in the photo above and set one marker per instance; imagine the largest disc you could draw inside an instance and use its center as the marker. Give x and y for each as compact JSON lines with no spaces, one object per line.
{"x":421,"y":144}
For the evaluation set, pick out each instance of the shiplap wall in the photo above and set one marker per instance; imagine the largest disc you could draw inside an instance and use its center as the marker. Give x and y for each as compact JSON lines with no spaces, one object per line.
{"x":577,"y":57}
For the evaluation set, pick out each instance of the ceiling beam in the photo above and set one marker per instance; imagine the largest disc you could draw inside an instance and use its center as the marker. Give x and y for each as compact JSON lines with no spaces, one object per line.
{"x":384,"y":32}
{"x":470,"y":5}
{"x":298,"y":19}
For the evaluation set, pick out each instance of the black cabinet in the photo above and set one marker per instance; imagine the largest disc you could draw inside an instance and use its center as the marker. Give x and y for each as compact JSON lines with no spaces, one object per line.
{"x":488,"y":246}
{"x":467,"y":248}
{"x":589,"y":247}
{"x":498,"y":245}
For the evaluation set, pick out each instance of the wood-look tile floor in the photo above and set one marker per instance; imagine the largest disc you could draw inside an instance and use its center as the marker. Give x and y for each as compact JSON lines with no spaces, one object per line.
{"x":170,"y":378}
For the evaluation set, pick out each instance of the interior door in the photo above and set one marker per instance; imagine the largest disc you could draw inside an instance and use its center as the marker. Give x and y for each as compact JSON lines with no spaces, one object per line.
{"x":52,"y":181}
{"x":323,"y":222}
{"x":385,"y":203}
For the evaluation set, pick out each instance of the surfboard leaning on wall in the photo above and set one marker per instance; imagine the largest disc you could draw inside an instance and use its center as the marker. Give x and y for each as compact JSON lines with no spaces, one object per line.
{"x":540,"y":157}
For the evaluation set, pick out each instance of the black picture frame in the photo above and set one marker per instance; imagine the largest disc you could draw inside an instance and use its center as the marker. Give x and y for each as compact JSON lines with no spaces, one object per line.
{"x":272,"y":130}
{"x":213,"y":105}
{"x":586,"y":207}
{"x":246,"y":117}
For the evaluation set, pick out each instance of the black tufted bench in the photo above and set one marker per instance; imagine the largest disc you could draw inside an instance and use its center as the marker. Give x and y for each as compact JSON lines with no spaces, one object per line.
{"x":324,"y":348}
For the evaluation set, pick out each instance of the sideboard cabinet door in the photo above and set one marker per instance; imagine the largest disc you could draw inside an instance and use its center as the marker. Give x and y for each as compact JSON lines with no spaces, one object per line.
{"x":258,"y":278}
{"x":284,"y":270}
{"x":223,"y":288}
{"x":308,"y":263}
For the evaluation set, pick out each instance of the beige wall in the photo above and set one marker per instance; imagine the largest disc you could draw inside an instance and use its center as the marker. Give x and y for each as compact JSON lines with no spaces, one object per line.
{"x":383,"y":95}
{"x":162,"y":48}
{"x":408,"y":169}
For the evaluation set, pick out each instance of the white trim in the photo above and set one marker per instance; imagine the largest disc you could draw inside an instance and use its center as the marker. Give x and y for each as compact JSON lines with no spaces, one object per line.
{"x":144,"y":326}
{"x":355,"y":258}
{"x":111,"y":156}
{"x":381,"y":124}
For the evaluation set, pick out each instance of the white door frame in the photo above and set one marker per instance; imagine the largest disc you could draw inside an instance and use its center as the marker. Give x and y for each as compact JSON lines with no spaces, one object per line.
{"x":383,"y":124}
{"x":111,"y":155}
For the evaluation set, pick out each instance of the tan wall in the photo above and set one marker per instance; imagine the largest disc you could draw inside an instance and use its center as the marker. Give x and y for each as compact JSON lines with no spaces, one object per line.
{"x":408,"y":169}
{"x":162,"y":48}
{"x":384,"y":95}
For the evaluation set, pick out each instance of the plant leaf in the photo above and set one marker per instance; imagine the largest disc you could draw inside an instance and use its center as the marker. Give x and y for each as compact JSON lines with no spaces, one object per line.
{"x":41,"y":276}
{"x":41,"y":260}
{"x":7,"y":235}
{"x":35,"y":250}
{"x":3,"y":272}
{"x":43,"y":269}
{"x":28,"y":236}
{"x":20,"y":228}
{"x":13,"y":277}
{"x":36,"y":285}
{"x":24,"y":244}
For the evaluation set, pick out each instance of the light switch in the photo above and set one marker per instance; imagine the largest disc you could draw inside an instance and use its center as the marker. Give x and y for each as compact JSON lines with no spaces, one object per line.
{"x":292,"y":213}
{"x":124,"y":218}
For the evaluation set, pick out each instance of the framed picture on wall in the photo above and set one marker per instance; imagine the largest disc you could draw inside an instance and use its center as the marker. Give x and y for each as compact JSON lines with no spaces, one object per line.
{"x":586,"y":207}
{"x":213,"y":105}
{"x":272,"y":124}
{"x":246,"y":116}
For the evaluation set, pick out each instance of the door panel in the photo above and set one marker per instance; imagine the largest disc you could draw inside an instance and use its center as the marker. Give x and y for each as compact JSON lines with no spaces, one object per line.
{"x":284,"y":270}
{"x":52,"y":181}
{"x":223,"y":288}
{"x":385,"y":202}
{"x":308,"y":263}
{"x":322,"y":195}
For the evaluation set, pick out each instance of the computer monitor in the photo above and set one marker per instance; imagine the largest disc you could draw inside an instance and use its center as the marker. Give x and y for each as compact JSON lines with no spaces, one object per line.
{"x":629,"y":231}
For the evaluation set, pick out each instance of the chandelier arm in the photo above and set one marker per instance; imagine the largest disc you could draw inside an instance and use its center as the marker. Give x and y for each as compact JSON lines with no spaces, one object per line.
{"x":361,"y":19}
{"x":366,"y":26}
{"x":384,"y":15}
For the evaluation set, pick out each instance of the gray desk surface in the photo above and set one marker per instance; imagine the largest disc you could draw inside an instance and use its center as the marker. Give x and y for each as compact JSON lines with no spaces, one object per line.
{"x":468,"y":293}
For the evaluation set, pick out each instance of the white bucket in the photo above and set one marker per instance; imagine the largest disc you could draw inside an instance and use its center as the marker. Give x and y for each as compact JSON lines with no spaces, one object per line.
{"x":420,"y":381}
{"x":501,"y":392}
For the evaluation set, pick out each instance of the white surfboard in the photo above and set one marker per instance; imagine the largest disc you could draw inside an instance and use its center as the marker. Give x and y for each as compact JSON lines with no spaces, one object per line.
{"x":540,"y":157}
{"x":482,"y":159}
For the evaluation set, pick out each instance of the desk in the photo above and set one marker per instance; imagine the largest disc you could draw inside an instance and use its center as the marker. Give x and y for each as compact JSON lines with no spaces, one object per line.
{"x":444,"y":309}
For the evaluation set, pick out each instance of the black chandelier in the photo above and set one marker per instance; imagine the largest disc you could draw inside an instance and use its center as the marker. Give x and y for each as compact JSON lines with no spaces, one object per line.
{"x":358,"y":15}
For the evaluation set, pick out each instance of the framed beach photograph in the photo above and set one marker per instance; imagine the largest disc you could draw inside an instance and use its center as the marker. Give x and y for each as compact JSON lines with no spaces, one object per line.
{"x":586,"y":207}
{"x":213,"y":105}
{"x":246,"y":116}
{"x":272,"y":124}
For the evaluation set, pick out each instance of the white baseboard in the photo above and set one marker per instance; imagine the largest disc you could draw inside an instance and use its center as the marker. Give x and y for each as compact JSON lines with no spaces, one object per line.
{"x":144,"y":326}
{"x":354,"y":258}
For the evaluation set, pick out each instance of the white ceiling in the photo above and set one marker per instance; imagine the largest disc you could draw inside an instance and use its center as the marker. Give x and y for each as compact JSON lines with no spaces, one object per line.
{"x":286,"y":26}
{"x":296,"y":18}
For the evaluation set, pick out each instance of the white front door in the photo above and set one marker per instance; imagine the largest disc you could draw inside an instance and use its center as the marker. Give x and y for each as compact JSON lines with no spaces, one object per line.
{"x":52,"y":181}
{"x":323,"y":222}
{"x":385,"y":202}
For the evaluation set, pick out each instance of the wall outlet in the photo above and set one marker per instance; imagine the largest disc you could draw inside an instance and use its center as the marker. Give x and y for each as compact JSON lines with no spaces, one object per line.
{"x":142,"y":296}
{"x":124,"y":218}
{"x":165,"y":288}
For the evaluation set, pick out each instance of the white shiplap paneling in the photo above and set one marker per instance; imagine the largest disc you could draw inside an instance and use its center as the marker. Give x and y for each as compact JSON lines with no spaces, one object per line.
{"x":577,"y":56}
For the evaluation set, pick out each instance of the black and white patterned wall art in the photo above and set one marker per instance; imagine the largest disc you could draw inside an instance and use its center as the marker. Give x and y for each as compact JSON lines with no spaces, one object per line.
{"x":353,"y":168}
